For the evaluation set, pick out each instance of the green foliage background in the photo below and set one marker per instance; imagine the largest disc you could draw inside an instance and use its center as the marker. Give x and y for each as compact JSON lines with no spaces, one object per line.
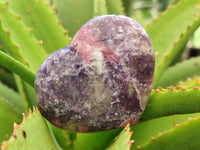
{"x":30,"y":30}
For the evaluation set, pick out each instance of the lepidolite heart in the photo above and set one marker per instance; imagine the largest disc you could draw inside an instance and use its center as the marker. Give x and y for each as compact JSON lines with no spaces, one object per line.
{"x":102,"y":80}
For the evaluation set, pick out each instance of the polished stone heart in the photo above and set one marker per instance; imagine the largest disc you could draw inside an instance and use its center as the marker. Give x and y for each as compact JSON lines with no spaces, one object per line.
{"x":102,"y":80}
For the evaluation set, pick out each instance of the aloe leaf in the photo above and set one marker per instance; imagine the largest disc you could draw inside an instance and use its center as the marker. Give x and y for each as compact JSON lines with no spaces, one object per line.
{"x":183,"y":136}
{"x":169,"y":33}
{"x":174,"y":100}
{"x":74,"y":13}
{"x":100,"y":8}
{"x":96,"y":140}
{"x":180,"y":72}
{"x":29,"y":47}
{"x":7,"y":78}
{"x":190,"y":82}
{"x":12,"y":96}
{"x":115,"y":7}
{"x":196,"y":39}
{"x":122,"y":141}
{"x":9,"y":114}
{"x":30,"y":95}
{"x":64,"y":138}
{"x":26,"y":91}
{"x":17,"y":67}
{"x":10,"y":47}
{"x":127,"y":6}
{"x":144,"y":132}
{"x":42,"y":20}
{"x":33,"y":133}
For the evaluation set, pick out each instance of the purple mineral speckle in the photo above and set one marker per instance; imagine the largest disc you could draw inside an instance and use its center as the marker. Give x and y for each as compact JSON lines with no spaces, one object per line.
{"x":101,"y":81}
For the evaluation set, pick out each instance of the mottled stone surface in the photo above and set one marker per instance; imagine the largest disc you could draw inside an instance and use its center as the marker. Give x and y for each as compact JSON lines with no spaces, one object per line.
{"x":102,"y":80}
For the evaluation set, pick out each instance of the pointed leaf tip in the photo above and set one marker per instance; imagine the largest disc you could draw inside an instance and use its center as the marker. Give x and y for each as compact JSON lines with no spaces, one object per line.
{"x":123,"y":140}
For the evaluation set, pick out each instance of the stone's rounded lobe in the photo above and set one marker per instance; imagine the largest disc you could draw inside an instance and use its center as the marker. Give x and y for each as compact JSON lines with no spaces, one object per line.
{"x":102,"y":80}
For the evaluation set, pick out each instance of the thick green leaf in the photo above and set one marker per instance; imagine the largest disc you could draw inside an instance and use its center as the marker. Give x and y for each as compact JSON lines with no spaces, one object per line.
{"x":33,"y":133}
{"x":170,"y":32}
{"x":9,"y":114}
{"x":122,"y":141}
{"x":12,"y":96}
{"x":144,"y":132}
{"x":196,"y":39}
{"x":115,"y":7}
{"x":127,"y":6}
{"x":100,"y":8}
{"x":74,"y":13}
{"x":180,"y":72}
{"x":7,"y":78}
{"x":174,"y":100}
{"x":191,"y":83}
{"x":29,"y":93}
{"x":20,"y":87}
{"x":17,"y":67}
{"x":63,"y":137}
{"x":23,"y":46}
{"x":183,"y":136}
{"x":96,"y":140}
{"x":42,"y":20}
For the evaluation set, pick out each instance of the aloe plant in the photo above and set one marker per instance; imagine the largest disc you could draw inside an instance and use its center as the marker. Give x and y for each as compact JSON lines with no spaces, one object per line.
{"x":30,"y":30}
